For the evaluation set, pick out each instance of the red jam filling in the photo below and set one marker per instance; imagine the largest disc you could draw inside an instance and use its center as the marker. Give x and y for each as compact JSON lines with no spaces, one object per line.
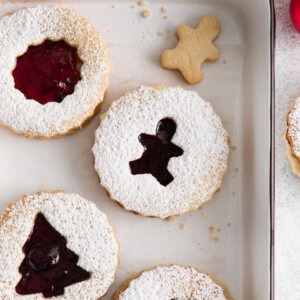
{"x":158,"y":151}
{"x":49,"y":266}
{"x":48,"y":72}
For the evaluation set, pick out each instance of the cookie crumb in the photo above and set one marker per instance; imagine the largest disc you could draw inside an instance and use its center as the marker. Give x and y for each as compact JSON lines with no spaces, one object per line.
{"x":163,"y":10}
{"x":126,"y":81}
{"x":165,"y":17}
{"x":211,"y":229}
{"x":229,"y":225}
{"x":142,"y":3}
{"x":215,"y":238}
{"x":219,"y":230}
{"x":146,"y":14}
{"x":224,"y":61}
{"x":170,"y":219}
{"x":181,"y":226}
{"x":160,"y":86}
{"x":159,"y":33}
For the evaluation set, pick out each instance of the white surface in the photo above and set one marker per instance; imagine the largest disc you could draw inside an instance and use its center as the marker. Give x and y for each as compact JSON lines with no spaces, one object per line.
{"x":287,"y":242}
{"x":239,"y":93}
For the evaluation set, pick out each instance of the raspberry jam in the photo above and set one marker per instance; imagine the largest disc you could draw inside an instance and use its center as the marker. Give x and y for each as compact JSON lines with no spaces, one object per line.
{"x":47,"y":72}
{"x":49,"y":266}
{"x":158,"y":151}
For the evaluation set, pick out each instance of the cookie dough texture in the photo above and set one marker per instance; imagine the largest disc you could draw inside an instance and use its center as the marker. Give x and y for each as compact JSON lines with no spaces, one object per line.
{"x":197,"y":173}
{"x":195,"y":46}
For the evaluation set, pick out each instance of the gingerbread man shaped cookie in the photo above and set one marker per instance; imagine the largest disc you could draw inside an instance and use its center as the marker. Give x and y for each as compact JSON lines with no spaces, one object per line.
{"x":194,"y":47}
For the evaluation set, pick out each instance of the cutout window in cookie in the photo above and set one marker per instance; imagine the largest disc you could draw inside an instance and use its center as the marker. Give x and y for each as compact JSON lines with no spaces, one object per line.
{"x":49,"y":266}
{"x":158,"y":151}
{"x":48,"y":72}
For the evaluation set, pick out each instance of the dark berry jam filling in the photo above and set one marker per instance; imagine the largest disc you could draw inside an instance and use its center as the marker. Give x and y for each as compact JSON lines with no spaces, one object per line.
{"x":49,"y":266}
{"x":48,"y":72}
{"x":158,"y":151}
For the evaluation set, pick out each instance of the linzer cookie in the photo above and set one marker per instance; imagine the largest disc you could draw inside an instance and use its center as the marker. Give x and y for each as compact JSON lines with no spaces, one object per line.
{"x":195,"y":46}
{"x":161,"y":152}
{"x":56,"y":245}
{"x":54,"y":71}
{"x":173,"y":282}
{"x":292,"y":136}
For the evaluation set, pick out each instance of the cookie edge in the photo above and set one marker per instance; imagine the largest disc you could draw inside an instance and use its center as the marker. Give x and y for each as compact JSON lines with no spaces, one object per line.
{"x":161,"y":87}
{"x":126,"y":283}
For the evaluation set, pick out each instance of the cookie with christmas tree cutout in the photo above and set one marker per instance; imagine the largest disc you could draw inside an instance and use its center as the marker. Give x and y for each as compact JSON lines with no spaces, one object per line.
{"x":172,"y":283}
{"x":54,"y":71}
{"x":56,"y":245}
{"x":161,"y":152}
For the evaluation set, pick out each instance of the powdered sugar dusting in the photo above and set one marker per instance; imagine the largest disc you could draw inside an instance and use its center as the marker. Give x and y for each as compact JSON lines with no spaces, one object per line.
{"x":87,"y":232}
{"x":32,"y":26}
{"x":197,"y":173}
{"x":293,"y":131}
{"x":174,"y":282}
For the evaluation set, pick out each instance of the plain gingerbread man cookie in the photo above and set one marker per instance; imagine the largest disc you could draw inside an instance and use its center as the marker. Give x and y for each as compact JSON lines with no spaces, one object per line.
{"x":194,"y":47}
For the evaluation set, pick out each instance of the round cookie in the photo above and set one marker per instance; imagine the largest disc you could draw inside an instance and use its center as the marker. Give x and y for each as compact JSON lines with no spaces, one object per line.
{"x":63,"y":35}
{"x":56,"y":244}
{"x":173,"y":282}
{"x":161,"y":152}
{"x":292,"y":136}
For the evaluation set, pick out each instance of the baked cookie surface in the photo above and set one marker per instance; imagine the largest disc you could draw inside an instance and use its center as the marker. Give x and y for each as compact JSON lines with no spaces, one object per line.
{"x":161,"y":152}
{"x":195,"y":46}
{"x":172,"y":282}
{"x":292,"y":136}
{"x":58,"y":244}
{"x":27,"y":29}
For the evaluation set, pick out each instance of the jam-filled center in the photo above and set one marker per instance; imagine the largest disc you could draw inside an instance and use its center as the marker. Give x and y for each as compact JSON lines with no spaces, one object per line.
{"x":48,"y":72}
{"x":49,"y":265}
{"x":43,"y":257}
{"x":158,"y":150}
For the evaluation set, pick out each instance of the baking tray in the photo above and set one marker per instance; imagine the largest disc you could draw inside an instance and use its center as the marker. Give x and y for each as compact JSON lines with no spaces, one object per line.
{"x":239,"y":86}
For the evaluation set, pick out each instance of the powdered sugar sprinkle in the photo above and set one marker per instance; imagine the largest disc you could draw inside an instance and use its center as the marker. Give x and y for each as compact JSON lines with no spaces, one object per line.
{"x":174,"y":282}
{"x":293,"y":131}
{"x":31,"y":26}
{"x":197,"y":173}
{"x":87,"y":232}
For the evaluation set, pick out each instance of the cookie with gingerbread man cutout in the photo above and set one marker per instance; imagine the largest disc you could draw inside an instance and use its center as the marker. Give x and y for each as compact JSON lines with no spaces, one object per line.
{"x":161,"y":153}
{"x":195,"y":46}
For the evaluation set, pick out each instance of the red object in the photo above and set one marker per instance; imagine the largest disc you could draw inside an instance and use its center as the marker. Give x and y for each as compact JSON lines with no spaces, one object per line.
{"x":295,"y":13}
{"x":48,"y":72}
